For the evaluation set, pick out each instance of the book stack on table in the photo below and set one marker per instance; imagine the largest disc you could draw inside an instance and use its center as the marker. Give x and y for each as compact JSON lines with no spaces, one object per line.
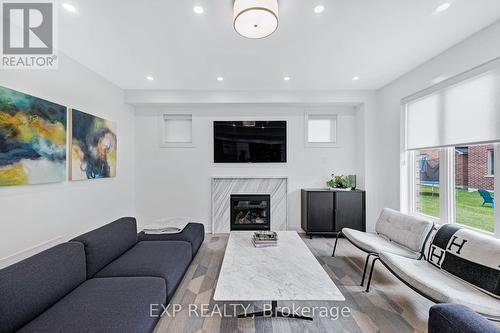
{"x":265,"y":239}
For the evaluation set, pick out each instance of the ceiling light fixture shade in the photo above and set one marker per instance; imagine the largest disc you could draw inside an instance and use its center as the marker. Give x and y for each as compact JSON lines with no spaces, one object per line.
{"x":255,"y":18}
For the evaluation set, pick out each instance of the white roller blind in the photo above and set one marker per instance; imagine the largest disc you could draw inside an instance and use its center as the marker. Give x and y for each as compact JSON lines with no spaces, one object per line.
{"x":467,"y":112}
{"x":320,"y":130}
{"x":177,"y":128}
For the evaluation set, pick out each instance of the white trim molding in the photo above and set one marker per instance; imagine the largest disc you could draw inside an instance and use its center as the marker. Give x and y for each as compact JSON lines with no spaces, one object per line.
{"x":23,"y":254}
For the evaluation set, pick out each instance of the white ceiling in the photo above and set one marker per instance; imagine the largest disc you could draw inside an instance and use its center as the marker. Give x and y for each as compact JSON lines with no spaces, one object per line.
{"x":376,"y":40}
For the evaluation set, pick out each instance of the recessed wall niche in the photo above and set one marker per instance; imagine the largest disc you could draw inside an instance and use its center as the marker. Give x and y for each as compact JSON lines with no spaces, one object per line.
{"x":176,"y":130}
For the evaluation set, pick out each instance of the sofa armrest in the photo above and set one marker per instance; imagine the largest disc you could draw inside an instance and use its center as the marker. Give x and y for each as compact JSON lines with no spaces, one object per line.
{"x":456,"y":318}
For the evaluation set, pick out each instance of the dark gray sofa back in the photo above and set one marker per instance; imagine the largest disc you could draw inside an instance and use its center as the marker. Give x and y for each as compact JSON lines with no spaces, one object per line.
{"x":31,"y":286}
{"x":105,"y":244}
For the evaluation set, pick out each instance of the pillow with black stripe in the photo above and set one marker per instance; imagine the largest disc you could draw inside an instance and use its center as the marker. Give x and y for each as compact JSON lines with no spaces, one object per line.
{"x":469,"y":255}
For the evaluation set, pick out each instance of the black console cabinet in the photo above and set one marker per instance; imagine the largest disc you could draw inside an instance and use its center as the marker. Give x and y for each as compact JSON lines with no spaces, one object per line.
{"x":326,"y":212}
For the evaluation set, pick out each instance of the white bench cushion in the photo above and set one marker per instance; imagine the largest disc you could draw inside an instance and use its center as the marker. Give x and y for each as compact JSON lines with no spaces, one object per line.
{"x":371,"y":242}
{"x":409,"y":231}
{"x":439,"y":285}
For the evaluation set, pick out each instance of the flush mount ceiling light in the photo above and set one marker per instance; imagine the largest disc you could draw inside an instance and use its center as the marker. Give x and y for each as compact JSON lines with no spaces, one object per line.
{"x":255,"y":18}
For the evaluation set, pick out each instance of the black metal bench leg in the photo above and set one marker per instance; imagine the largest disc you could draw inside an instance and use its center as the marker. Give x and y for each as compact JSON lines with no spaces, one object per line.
{"x":366,"y":266}
{"x":371,"y":273}
{"x":336,"y":241}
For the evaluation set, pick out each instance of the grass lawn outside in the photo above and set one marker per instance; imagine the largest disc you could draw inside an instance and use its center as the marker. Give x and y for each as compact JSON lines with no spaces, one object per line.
{"x":469,"y":211}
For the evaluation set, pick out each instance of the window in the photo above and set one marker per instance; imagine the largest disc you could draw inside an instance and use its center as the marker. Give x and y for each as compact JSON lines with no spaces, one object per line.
{"x":321,"y":130}
{"x":491,"y":162}
{"x":474,"y":193}
{"x":427,"y":182}
{"x":176,"y":130}
{"x":451,"y":136}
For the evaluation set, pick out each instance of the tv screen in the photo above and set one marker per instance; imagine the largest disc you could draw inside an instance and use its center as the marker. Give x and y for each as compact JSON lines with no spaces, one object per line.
{"x":249,"y":141}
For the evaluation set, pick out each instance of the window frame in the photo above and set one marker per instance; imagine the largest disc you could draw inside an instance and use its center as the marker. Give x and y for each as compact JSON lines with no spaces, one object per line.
{"x":333,"y":129}
{"x":447,"y":161}
{"x":491,"y":163}
{"x":413,"y":182}
{"x":447,"y":194}
{"x":164,"y":117}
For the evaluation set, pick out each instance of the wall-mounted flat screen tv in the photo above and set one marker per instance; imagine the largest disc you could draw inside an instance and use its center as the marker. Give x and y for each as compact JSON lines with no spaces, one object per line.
{"x":249,"y":141}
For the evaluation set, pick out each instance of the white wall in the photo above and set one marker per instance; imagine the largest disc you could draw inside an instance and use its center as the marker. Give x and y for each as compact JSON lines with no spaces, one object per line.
{"x":476,"y":50}
{"x":174,"y":182}
{"x":34,"y":217}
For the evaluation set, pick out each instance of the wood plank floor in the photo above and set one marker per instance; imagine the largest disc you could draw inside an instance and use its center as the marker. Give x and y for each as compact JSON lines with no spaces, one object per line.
{"x":389,"y":307}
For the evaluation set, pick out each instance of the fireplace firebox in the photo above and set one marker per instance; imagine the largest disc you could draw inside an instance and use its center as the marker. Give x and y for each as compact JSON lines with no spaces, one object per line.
{"x":250,"y":212}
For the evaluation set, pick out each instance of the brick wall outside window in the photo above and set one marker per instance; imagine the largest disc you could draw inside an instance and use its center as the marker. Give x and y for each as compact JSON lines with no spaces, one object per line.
{"x":461,"y":170}
{"x":471,"y":166}
{"x":478,"y":168}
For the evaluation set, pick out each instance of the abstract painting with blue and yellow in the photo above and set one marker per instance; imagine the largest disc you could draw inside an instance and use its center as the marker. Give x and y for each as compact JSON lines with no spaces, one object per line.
{"x":93,"y":147}
{"x":32,"y":139}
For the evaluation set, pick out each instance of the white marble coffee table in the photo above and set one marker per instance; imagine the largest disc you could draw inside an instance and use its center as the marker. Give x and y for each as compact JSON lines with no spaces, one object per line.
{"x":288,"y":272}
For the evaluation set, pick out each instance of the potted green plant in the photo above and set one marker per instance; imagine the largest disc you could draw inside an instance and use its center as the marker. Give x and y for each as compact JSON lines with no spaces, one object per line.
{"x":339,"y":183}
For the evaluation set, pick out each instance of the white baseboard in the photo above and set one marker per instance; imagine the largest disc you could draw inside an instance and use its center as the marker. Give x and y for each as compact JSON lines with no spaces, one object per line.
{"x":23,"y":254}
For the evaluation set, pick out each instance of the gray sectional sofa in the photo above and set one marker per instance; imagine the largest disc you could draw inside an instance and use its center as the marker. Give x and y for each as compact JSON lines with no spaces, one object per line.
{"x":456,"y":318}
{"x":102,"y":281}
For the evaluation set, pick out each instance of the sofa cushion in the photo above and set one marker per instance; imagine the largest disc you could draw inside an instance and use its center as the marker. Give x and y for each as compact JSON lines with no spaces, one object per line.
{"x":193,"y":233}
{"x":456,"y":318}
{"x":168,"y":260}
{"x":440,"y":286}
{"x":107,"y":243}
{"x":407,"y":230}
{"x":109,"y":305}
{"x":31,"y":286}
{"x":371,"y":242}
{"x":469,"y":255}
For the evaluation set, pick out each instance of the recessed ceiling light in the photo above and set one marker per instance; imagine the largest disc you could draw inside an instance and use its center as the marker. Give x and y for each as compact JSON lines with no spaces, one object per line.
{"x":319,"y":9}
{"x":69,"y":7}
{"x":356,"y":78}
{"x":442,"y":7}
{"x":198,"y":9}
{"x":287,"y":78}
{"x":220,"y":78}
{"x":150,"y":78}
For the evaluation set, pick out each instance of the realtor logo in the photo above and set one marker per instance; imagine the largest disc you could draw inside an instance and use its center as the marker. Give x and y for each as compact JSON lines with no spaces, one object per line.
{"x":28,"y":32}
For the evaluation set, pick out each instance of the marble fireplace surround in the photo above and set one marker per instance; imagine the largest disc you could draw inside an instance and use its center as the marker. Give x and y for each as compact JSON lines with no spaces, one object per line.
{"x":223,"y":187}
